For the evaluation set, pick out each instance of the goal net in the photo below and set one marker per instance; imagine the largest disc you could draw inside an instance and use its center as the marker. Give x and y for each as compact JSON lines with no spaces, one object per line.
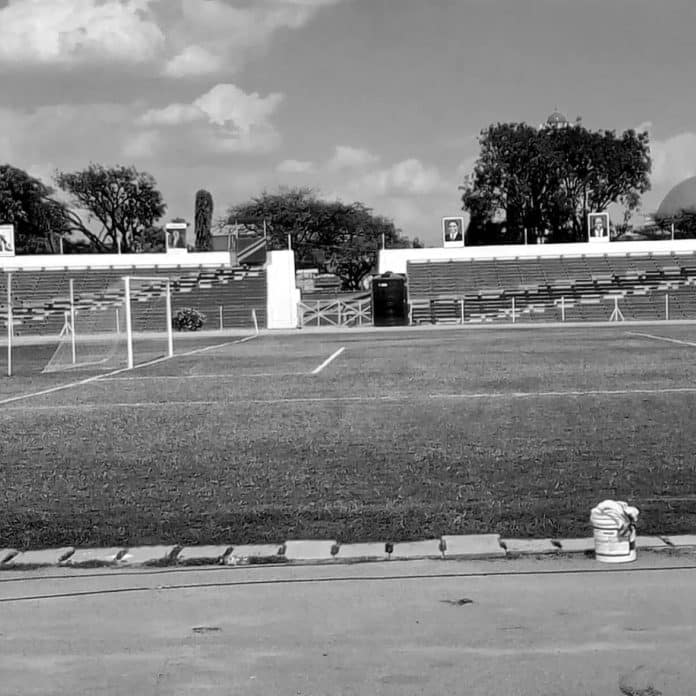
{"x":129,"y":325}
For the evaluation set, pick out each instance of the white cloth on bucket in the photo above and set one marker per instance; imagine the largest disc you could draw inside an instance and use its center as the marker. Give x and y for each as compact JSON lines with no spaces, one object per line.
{"x":625,"y":515}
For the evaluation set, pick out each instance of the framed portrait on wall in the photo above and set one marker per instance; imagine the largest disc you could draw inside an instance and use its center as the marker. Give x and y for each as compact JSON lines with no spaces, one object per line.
{"x":176,"y":236}
{"x":453,"y":231}
{"x":598,"y":227}
{"x":7,"y":241}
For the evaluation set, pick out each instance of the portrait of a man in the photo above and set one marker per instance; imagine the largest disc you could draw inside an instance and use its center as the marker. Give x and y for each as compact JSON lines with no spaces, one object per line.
{"x":598,"y":224}
{"x":453,"y":229}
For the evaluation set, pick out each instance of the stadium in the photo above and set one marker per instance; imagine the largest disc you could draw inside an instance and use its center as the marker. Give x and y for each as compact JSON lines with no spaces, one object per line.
{"x":482,"y":390}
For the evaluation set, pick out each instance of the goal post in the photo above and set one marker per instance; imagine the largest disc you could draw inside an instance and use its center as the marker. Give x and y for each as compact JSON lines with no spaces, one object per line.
{"x":143,"y":282}
{"x":130,"y":324}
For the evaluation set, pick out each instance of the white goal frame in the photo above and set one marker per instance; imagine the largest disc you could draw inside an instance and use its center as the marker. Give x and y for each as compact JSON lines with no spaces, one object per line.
{"x":129,"y":323}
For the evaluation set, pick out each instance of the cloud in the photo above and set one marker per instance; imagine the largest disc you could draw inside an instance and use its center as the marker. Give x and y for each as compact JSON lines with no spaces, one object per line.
{"x":409,"y":176}
{"x":214,"y":35}
{"x":40,"y":32}
{"x":415,"y":194}
{"x":346,"y":157}
{"x":225,"y":119}
{"x":176,"y":38}
{"x":673,"y":159}
{"x":172,"y":115}
{"x":58,"y":133}
{"x":227,"y":104}
{"x":142,"y":145}
{"x":292,"y":166}
{"x":193,"y":60}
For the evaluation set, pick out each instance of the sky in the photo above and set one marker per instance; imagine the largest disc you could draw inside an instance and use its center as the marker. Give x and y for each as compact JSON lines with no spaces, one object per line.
{"x":379,"y":101}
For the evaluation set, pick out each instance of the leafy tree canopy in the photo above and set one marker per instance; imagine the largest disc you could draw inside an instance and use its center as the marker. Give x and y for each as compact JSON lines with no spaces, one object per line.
{"x":550,"y":179}
{"x":125,"y":202}
{"x":40,"y":221}
{"x":336,"y":237}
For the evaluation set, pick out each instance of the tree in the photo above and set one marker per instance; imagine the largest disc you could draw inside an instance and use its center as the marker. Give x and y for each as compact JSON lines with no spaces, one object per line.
{"x":203,"y":220}
{"x":336,"y":237}
{"x":124,"y":201}
{"x":550,"y":179}
{"x":150,"y":240}
{"x":40,"y":221}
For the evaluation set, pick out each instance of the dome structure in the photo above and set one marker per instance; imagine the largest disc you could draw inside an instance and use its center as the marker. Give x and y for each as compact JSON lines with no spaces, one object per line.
{"x":681,"y":199}
{"x":556,"y":120}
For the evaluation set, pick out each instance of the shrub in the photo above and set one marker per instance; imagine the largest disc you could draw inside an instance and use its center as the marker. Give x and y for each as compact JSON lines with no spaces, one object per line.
{"x":188,"y":319}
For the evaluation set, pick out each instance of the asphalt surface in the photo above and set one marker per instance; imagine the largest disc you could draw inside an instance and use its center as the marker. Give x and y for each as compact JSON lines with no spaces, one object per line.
{"x":536,"y":627}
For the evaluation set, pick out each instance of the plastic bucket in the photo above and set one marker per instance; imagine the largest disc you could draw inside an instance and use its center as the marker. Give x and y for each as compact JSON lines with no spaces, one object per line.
{"x":613,"y":524}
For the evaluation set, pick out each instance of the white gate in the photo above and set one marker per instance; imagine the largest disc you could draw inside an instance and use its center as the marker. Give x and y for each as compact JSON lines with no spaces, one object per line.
{"x":335,"y":312}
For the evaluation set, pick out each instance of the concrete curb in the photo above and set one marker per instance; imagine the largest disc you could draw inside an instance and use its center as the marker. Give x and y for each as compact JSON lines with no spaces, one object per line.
{"x":519,"y":547}
{"x":319,"y":551}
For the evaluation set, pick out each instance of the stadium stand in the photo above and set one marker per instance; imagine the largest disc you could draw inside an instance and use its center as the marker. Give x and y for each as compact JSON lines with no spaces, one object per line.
{"x":570,"y":288}
{"x":41,"y":297}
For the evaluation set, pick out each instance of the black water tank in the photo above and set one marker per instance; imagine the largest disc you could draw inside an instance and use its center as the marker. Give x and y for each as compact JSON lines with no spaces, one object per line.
{"x":389,"y":300}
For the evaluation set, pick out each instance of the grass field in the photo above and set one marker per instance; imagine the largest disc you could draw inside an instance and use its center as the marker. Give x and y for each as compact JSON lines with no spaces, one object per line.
{"x":406,"y":434}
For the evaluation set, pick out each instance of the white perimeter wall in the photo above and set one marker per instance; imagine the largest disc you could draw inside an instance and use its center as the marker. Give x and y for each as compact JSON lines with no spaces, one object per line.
{"x":283,"y":297}
{"x":125,"y":261}
{"x":395,"y":260}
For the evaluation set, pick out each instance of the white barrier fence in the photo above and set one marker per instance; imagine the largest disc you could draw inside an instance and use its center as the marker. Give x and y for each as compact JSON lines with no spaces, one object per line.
{"x":614,"y":308}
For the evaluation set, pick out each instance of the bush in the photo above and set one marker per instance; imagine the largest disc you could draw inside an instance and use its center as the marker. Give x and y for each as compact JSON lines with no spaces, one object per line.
{"x":188,"y":319}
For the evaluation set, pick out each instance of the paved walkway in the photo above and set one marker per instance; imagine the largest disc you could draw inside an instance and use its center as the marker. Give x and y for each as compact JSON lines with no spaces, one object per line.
{"x":532,"y":627}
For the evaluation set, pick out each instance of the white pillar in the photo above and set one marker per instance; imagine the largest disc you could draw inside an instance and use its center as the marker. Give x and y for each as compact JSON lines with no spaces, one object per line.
{"x":129,"y":327}
{"x":72,"y":320}
{"x":513,"y":310}
{"x":9,"y":325}
{"x":563,"y":308}
{"x":666,"y":306}
{"x":170,"y":335}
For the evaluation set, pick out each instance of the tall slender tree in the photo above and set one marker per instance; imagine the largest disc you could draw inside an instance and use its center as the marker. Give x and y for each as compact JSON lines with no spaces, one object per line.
{"x":203,"y":220}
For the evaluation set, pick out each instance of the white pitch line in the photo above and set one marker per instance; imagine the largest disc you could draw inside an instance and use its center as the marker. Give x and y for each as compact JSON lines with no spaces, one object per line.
{"x":396,"y":398}
{"x":226,"y":376}
{"x":226,"y":404}
{"x":584,"y":392}
{"x":107,"y":405}
{"x":328,"y":360}
{"x":97,"y":378}
{"x":662,"y":338}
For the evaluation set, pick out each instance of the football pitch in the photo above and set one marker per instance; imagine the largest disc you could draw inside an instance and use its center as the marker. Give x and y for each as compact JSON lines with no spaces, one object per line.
{"x":398,"y":434}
